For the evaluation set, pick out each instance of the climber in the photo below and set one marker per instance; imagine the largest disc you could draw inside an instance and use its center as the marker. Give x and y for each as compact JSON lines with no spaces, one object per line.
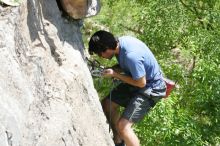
{"x":142,"y":83}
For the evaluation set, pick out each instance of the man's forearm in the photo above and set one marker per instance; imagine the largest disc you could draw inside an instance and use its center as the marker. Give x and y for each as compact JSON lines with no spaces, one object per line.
{"x":127,"y":79}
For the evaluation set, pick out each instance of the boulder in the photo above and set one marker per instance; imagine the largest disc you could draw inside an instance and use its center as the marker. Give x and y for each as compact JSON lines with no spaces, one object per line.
{"x":79,"y":9}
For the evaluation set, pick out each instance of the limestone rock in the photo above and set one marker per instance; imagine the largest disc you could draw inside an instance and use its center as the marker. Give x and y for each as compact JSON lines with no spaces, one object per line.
{"x":47,"y":93}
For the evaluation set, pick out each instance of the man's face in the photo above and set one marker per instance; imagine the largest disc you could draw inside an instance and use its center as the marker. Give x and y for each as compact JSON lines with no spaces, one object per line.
{"x":107,"y":54}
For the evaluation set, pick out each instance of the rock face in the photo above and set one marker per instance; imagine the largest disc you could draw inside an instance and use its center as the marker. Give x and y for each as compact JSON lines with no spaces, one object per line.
{"x":80,"y":8}
{"x":47,"y":94}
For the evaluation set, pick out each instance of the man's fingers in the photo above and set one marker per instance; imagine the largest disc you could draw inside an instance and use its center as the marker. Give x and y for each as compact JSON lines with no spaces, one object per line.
{"x":108,"y":72}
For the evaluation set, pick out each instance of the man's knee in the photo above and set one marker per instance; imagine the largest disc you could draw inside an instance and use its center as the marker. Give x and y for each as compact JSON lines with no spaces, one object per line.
{"x":124,"y":126}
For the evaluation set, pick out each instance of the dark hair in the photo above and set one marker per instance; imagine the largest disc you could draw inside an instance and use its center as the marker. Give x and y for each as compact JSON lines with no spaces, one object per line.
{"x":101,"y":41}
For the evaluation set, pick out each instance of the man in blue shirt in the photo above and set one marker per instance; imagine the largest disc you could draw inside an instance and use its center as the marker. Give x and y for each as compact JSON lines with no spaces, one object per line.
{"x":142,"y":86}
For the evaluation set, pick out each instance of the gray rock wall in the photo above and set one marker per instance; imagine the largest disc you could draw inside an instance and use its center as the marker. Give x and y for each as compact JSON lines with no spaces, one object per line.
{"x":47,"y":94}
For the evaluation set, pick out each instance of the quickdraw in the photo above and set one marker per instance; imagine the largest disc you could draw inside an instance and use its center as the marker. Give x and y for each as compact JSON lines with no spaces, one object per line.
{"x":95,"y":68}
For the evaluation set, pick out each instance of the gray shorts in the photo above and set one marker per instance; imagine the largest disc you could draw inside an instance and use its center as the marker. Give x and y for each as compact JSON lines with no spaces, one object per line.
{"x":137,"y":101}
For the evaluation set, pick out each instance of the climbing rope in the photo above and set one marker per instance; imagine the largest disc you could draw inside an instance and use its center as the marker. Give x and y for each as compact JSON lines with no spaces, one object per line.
{"x":97,"y":71}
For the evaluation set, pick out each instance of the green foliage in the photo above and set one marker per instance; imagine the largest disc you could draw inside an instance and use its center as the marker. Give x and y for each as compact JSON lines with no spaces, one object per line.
{"x":184,"y":36}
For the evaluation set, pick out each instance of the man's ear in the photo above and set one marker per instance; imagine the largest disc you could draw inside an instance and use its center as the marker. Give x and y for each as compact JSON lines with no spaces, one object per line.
{"x":105,"y":50}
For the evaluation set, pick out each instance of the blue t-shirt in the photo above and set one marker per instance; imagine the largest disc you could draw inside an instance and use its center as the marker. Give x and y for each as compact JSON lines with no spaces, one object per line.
{"x":136,"y":59}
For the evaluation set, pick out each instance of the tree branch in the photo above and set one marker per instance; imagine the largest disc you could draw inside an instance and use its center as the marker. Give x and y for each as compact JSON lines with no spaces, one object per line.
{"x":138,"y":31}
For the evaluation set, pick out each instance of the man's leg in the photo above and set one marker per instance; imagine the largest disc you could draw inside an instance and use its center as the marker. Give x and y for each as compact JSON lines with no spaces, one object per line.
{"x":114,"y":117}
{"x":127,"y":133}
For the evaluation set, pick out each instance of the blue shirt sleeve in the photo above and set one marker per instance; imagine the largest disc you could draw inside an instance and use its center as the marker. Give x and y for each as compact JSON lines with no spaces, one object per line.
{"x":135,"y":65}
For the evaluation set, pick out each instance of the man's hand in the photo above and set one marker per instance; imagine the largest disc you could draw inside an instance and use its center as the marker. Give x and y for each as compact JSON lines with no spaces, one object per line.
{"x":108,"y":73}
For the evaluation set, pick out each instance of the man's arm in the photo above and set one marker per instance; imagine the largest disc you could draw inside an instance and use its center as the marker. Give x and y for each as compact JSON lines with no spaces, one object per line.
{"x":141,"y":82}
